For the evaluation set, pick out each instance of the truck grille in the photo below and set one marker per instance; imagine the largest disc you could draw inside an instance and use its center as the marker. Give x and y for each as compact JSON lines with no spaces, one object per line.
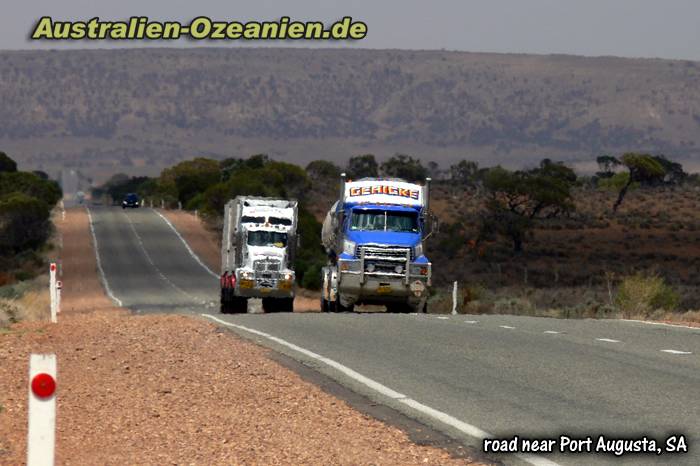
{"x":384,"y":253}
{"x":266,"y":265}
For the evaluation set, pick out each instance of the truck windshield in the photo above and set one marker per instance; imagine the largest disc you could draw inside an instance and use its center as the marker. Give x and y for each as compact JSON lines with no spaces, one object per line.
{"x":381,"y":220}
{"x":267,"y":238}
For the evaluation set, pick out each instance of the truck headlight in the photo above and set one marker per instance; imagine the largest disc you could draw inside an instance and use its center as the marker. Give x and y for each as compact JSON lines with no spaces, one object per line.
{"x":247,"y":275}
{"x":349,"y":247}
{"x":288,"y":277}
{"x":418,"y":250}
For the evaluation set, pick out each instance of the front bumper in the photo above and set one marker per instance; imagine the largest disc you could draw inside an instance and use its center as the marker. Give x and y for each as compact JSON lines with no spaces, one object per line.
{"x":268,"y":287}
{"x":356,"y":284}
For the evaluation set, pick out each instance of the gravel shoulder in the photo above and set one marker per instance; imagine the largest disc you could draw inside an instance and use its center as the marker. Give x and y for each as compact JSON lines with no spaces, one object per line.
{"x":160,"y":389}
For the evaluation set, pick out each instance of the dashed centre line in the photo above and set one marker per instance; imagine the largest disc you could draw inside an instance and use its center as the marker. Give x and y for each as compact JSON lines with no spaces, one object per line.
{"x":608,"y":340}
{"x":506,"y":326}
{"x":672,"y":351}
{"x":552,"y":332}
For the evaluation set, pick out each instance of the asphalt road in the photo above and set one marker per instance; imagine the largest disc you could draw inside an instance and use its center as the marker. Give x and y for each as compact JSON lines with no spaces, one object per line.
{"x":464,"y":375}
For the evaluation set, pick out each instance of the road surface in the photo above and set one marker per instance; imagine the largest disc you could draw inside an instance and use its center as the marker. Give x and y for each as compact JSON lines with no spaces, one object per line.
{"x":467,"y":376}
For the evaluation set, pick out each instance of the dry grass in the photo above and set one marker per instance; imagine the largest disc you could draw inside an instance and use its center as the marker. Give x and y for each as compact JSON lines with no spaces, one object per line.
{"x":33,"y":304}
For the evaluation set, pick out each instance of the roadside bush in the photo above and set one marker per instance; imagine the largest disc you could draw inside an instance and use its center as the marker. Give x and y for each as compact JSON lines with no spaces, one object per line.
{"x":519,"y":306}
{"x":24,"y":222}
{"x":312,"y":278}
{"x":30,"y":184}
{"x":640,"y":294}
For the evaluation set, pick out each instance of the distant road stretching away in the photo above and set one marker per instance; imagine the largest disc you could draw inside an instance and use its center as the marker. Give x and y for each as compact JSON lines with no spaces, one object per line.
{"x":463,"y":375}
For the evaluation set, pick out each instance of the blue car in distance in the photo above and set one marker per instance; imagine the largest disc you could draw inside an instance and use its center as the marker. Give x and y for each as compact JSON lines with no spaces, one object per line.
{"x":131,"y":200}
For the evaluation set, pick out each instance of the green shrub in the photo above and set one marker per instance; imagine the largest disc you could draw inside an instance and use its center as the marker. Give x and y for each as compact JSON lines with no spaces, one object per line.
{"x":312,"y":278}
{"x":24,"y":222}
{"x":643,"y":294}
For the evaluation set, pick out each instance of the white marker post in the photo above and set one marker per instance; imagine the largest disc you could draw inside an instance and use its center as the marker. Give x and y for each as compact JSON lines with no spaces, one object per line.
{"x":52,"y":290}
{"x":454,"y":298}
{"x":59,"y":287}
{"x":41,"y":437}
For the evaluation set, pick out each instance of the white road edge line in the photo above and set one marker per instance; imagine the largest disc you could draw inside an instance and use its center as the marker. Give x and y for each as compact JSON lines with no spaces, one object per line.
{"x":442,"y":318}
{"x":661,"y":323}
{"x":673,"y":351}
{"x":103,"y":278}
{"x":194,"y":256}
{"x":608,"y":340}
{"x":440,"y":416}
{"x":471,"y":321}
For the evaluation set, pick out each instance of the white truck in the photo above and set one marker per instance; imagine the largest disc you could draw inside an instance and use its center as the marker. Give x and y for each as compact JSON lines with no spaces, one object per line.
{"x":257,"y":253}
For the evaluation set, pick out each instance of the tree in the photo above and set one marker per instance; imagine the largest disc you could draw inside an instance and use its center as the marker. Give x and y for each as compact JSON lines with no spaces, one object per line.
{"x":643,"y":169}
{"x":516,"y":200}
{"x":190,"y":178}
{"x":6,"y":163}
{"x":24,"y":222}
{"x":674,"y":173}
{"x":322,"y":169}
{"x":434,"y":170}
{"x":606,"y":165}
{"x":30,"y":184}
{"x":404,"y":167}
{"x":362,"y":166}
{"x":465,"y":172}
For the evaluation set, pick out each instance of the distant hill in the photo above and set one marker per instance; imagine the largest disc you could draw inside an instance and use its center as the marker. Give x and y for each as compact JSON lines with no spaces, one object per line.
{"x":141,"y":109}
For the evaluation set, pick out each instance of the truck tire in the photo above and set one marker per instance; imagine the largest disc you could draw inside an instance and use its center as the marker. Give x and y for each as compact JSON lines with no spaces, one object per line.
{"x":271,"y":305}
{"x":238,"y":305}
{"x":225,"y":301}
{"x":340,"y":308}
{"x":286,"y":304}
{"x":399,"y":308}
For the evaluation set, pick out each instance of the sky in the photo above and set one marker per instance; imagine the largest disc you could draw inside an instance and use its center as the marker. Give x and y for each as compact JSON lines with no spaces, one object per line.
{"x":628,"y":28}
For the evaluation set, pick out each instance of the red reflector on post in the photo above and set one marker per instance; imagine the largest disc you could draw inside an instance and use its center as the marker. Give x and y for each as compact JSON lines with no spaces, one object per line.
{"x":43,"y":385}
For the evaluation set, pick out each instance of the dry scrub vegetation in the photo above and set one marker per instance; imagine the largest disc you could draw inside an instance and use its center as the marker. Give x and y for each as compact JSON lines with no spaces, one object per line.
{"x":642,"y":262}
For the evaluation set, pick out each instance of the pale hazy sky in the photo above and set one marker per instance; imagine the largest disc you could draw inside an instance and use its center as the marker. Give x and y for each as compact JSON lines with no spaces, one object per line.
{"x":632,"y":28}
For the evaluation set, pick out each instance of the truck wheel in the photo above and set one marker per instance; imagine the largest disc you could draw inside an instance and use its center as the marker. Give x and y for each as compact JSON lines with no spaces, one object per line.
{"x":340,"y":308}
{"x":238,"y":305}
{"x":285,"y":304}
{"x":271,"y":305}
{"x":225,"y":303}
{"x":399,"y":308}
{"x":324,"y":305}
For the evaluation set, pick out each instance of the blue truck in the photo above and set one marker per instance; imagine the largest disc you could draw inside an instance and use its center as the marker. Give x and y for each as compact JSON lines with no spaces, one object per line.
{"x":374,"y":237}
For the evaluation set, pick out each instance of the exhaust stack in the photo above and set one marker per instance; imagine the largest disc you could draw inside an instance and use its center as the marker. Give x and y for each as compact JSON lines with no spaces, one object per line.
{"x":426,"y":194}
{"x":343,"y":179}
